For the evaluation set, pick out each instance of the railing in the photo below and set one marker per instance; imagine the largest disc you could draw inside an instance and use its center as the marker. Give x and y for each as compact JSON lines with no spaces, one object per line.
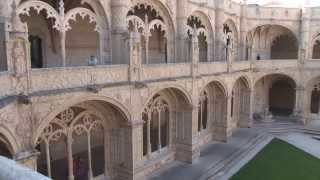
{"x":163,"y":71}
{"x":208,"y":68}
{"x":241,"y":65}
{"x":312,"y":63}
{"x":276,"y":64}
{"x":74,"y":77}
{"x":63,"y":78}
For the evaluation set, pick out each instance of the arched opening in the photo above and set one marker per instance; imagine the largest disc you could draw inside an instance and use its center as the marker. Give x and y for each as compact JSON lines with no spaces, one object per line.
{"x":55,"y":39}
{"x":274,"y":95}
{"x":240,"y":104}
{"x":314,"y":99}
{"x":282,"y":98}
{"x":316,"y":50}
{"x":5,"y":147}
{"x":36,"y":51}
{"x":3,"y":54}
{"x":203,"y":111}
{"x":43,"y":38}
{"x":230,"y":36}
{"x":196,"y":24}
{"x":146,"y":20}
{"x":284,"y":47}
{"x":212,"y":111}
{"x":274,"y":42}
{"x":85,"y":50}
{"x":85,"y":141}
{"x":166,"y":117}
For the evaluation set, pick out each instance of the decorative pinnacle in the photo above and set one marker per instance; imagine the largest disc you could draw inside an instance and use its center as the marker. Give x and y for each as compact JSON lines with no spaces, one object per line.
{"x":61,"y":7}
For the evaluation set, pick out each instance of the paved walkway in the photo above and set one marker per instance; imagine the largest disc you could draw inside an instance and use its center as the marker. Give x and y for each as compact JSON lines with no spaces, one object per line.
{"x":304,"y":142}
{"x":212,"y":155}
{"x":215,"y":153}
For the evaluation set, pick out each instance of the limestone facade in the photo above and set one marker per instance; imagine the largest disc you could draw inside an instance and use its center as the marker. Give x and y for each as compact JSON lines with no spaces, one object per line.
{"x":128,"y":86}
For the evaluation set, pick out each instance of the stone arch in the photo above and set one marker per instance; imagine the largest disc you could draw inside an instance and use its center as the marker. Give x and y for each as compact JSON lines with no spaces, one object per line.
{"x":312,"y":98}
{"x":267,"y":38}
{"x":240,"y":103}
{"x":91,"y":132}
{"x":244,"y":79}
{"x":122,"y":108}
{"x":178,"y":118}
{"x":9,"y":142}
{"x":231,"y":40}
{"x":163,"y":25}
{"x":274,"y":94}
{"x":315,"y":46}
{"x":45,"y":14}
{"x":216,"y":109}
{"x":205,"y":35}
{"x":176,"y":87}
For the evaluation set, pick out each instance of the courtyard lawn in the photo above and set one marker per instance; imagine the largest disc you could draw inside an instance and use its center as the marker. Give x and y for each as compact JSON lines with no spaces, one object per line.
{"x":280,"y":161}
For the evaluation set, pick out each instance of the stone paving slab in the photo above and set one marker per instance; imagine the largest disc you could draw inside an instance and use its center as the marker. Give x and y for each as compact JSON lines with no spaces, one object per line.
{"x":303,"y":142}
{"x":210,"y":157}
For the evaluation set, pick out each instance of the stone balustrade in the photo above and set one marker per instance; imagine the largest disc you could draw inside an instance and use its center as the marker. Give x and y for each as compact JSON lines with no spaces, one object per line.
{"x":212,"y":68}
{"x":276,"y":64}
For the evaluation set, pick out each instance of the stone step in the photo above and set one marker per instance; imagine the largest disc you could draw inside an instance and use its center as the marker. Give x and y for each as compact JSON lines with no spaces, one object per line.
{"x":234,"y":158}
{"x":316,"y":137}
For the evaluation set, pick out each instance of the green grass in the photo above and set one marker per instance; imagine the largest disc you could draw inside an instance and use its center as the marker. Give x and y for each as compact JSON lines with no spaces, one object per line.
{"x":280,"y":161}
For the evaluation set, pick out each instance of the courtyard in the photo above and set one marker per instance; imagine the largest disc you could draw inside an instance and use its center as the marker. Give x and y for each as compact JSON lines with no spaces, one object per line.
{"x":280,"y":160}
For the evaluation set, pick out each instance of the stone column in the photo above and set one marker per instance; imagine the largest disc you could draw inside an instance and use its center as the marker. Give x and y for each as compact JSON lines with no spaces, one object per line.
{"x":251,"y":107}
{"x":182,"y":37}
{"x":304,"y":50}
{"x":221,"y":126}
{"x":229,"y":117}
{"x":243,"y":32}
{"x":299,"y":104}
{"x":194,"y":54}
{"x":133,"y":169}
{"x":135,"y":56}
{"x":187,"y":129}
{"x":119,"y":10}
{"x":220,"y":44}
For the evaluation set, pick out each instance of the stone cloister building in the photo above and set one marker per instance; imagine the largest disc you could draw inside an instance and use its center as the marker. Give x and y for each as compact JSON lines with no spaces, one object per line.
{"x":128,"y":86}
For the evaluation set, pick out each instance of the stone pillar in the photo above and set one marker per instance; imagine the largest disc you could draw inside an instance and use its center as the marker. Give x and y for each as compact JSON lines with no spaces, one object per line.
{"x":251,"y":107}
{"x":243,"y":32}
{"x":133,"y":168}
{"x":182,"y":37}
{"x":299,"y":104}
{"x":221,"y":126}
{"x":187,"y":127}
{"x":187,"y":149}
{"x":119,"y":34}
{"x":194,"y":54}
{"x":229,"y":117}
{"x":135,"y":57}
{"x":220,"y":44}
{"x":304,"y":50}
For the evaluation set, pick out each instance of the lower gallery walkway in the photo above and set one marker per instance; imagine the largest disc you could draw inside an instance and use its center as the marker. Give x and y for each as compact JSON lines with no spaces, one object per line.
{"x":212,"y":157}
